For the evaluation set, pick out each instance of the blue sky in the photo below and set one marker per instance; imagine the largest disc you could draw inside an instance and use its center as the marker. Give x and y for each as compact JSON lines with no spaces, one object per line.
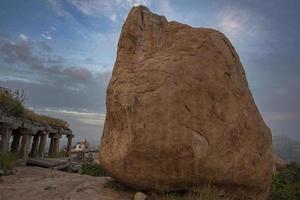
{"x":61,"y":52}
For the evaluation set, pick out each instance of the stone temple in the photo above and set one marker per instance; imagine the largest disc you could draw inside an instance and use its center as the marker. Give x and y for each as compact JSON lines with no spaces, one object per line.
{"x":25,"y":137}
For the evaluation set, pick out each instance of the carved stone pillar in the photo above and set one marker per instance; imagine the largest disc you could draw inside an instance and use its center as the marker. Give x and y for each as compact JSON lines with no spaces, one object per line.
{"x":25,"y":143}
{"x":5,"y":137}
{"x":54,"y":144}
{"x":69,"y":145}
{"x":42,"y":144}
{"x":16,"y":141}
{"x":50,"y":152}
{"x":35,"y":143}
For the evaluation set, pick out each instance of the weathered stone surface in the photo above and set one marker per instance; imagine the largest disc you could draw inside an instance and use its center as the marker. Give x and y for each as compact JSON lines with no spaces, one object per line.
{"x":37,"y":183}
{"x":180,"y":113}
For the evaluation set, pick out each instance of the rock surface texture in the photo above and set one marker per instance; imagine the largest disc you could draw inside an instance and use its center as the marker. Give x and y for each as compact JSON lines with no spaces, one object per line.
{"x":180,"y":113}
{"x":35,"y":183}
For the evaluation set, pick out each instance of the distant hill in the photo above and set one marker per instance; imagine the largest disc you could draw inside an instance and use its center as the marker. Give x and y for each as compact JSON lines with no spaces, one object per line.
{"x":287,"y":148}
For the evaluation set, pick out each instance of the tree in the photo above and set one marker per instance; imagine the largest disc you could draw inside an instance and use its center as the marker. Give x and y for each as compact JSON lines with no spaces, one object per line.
{"x":11,"y":102}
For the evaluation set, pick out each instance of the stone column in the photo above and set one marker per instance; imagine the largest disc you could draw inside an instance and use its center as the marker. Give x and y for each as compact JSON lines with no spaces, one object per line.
{"x":5,"y":137}
{"x":34,"y":148}
{"x":56,"y":144}
{"x":25,"y":144}
{"x":42,"y":144}
{"x":16,"y":141}
{"x":69,"y":145}
{"x":50,"y":153}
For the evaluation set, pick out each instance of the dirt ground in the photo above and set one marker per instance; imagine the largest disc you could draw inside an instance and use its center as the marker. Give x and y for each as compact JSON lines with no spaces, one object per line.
{"x":34,"y":183}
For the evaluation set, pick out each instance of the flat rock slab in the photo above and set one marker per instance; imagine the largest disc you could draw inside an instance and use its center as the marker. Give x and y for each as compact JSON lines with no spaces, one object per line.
{"x":36,"y":183}
{"x":48,"y":163}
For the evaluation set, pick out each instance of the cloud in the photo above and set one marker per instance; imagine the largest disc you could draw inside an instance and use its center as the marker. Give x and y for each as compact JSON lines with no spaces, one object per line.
{"x":23,"y":37}
{"x":282,"y":116}
{"x":45,"y":46}
{"x":166,"y":9}
{"x":106,"y":8}
{"x":89,"y":60}
{"x":58,"y":8}
{"x":78,"y":73}
{"x":279,"y":104}
{"x":50,"y":80}
{"x":49,"y":66}
{"x":58,"y":92}
{"x":113,"y":17}
{"x":85,"y":125}
{"x":20,"y":51}
{"x":46,"y":36}
{"x":238,"y":22}
{"x":89,"y":118}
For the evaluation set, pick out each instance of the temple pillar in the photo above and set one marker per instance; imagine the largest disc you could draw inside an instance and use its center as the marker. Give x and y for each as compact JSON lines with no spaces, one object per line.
{"x":50,"y":152}
{"x":42,"y":144}
{"x":16,"y":141}
{"x":54,"y":144}
{"x":34,"y":148}
{"x":25,"y":144}
{"x":69,"y":145}
{"x":5,"y":137}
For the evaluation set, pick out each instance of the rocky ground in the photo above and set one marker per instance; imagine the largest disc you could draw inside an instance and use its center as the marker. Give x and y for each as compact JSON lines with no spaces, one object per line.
{"x":36,"y":183}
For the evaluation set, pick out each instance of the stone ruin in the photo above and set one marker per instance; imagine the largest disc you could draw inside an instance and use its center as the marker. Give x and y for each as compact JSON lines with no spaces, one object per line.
{"x":31,"y":137}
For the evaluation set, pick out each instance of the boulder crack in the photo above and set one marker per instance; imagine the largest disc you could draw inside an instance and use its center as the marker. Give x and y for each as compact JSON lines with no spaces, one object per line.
{"x":195,"y":130}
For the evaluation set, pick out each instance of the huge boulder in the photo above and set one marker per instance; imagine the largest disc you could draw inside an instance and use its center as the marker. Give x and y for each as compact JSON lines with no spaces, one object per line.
{"x":180,"y":112}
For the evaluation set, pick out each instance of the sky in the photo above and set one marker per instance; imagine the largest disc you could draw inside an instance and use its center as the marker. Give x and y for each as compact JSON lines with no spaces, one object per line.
{"x":61,"y":53}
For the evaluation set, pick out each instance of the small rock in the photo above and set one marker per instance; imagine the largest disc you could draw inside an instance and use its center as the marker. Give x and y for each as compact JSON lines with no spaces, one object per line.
{"x":75,"y":168}
{"x":140,"y":196}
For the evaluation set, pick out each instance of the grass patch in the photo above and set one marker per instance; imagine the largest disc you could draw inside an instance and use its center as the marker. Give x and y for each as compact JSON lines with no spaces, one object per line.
{"x":205,"y":193}
{"x":93,"y":170}
{"x":286,"y":184}
{"x":7,"y":161}
{"x":43,"y":119}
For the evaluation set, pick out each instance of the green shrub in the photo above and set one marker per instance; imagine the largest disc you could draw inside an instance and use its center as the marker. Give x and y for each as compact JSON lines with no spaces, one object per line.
{"x":7,"y":161}
{"x":286,"y":184}
{"x":93,"y":170}
{"x":11,"y":103}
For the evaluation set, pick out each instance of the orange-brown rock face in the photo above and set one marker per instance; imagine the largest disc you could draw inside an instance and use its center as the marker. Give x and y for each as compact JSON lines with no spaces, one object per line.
{"x":180,"y":113}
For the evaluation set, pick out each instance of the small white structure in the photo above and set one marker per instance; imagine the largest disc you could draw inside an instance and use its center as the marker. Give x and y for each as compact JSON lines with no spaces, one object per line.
{"x":82,"y":146}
